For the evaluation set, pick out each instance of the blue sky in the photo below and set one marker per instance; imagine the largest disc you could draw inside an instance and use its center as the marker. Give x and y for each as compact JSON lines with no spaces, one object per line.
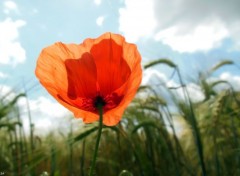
{"x":195,"y":34}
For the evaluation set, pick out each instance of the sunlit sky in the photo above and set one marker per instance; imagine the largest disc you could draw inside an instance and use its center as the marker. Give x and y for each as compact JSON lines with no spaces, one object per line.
{"x":195,"y":34}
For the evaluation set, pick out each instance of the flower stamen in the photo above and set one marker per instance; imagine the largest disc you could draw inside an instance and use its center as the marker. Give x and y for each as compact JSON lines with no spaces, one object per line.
{"x":99,"y":101}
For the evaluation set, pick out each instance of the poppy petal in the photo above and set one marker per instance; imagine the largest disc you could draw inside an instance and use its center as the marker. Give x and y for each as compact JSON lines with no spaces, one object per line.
{"x":82,"y":77}
{"x":129,"y":88}
{"x":66,"y":78}
{"x":51,"y":69}
{"x":112,"y":69}
{"x":79,"y":76}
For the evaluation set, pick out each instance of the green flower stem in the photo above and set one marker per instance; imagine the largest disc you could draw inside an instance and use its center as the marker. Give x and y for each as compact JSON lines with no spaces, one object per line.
{"x":100,"y":110}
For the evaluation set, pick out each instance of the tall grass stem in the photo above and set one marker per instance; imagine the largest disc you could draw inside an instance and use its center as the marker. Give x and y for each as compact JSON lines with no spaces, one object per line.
{"x":194,"y":124}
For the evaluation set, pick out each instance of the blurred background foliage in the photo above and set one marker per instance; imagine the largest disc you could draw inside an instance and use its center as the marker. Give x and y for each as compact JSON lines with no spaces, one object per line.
{"x":155,"y":137}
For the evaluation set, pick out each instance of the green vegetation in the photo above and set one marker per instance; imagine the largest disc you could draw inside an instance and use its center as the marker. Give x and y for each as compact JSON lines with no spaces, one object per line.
{"x":155,"y":137}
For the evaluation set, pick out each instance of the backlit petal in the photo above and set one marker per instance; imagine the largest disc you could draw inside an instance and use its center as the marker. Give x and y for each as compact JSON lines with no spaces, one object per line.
{"x":67,"y":73}
{"x":129,"y":90}
{"x":79,"y":76}
{"x":82,"y":77}
{"x":112,"y":69}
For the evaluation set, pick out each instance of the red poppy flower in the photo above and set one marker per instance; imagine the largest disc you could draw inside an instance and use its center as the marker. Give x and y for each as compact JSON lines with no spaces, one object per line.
{"x":104,"y":70}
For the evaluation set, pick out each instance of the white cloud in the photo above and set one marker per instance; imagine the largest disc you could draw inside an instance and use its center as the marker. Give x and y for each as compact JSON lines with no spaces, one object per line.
{"x":180,"y":25}
{"x":11,"y":50}
{"x":6,"y":93}
{"x":232,"y":79}
{"x":3,"y":75}
{"x":10,"y":6}
{"x":48,"y":108}
{"x":201,"y":38}
{"x":97,"y":2}
{"x":46,"y":115}
{"x":194,"y":92}
{"x":193,"y":89}
{"x":235,"y":33}
{"x":137,"y":19}
{"x":100,"y":20}
{"x":151,"y":73}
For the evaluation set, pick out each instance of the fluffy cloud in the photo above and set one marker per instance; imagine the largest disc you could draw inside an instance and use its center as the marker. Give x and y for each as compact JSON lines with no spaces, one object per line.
{"x":202,"y":37}
{"x":100,"y":20}
{"x":10,"y":6}
{"x":193,"y":89}
{"x":46,"y":114}
{"x":3,"y":75}
{"x":137,"y":19}
{"x":151,"y":73}
{"x":97,"y":2}
{"x":11,"y":51}
{"x":194,"y":92}
{"x":47,"y":107}
{"x":185,"y":25}
{"x":6,"y":93}
{"x":232,"y":79}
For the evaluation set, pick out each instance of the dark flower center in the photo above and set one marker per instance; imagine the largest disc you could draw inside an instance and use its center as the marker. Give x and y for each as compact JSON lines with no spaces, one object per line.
{"x":99,"y":101}
{"x":107,"y":102}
